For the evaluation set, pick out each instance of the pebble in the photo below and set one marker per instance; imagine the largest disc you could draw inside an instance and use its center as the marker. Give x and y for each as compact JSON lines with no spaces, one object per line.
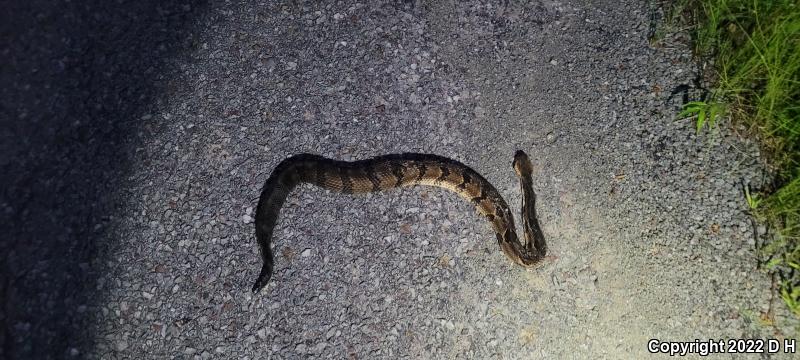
{"x":121,"y":345}
{"x":318,"y":348}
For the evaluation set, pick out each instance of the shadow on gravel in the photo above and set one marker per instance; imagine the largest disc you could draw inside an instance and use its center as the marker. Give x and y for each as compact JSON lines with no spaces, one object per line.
{"x":76,"y":78}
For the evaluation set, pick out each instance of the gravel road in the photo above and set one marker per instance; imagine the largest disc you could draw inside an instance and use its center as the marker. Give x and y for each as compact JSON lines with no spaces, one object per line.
{"x":136,"y":137}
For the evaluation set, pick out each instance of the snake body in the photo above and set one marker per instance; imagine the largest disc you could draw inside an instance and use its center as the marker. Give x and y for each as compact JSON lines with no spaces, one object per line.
{"x":400,"y":170}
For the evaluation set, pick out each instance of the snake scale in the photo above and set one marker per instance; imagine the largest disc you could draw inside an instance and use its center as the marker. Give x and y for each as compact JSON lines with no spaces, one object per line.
{"x":400,"y":170}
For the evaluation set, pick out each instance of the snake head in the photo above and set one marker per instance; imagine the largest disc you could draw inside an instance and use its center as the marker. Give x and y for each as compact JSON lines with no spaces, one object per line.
{"x":522,"y":164}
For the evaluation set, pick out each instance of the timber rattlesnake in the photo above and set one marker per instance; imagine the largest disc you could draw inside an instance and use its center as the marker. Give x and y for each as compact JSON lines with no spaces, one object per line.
{"x":396,"y":170}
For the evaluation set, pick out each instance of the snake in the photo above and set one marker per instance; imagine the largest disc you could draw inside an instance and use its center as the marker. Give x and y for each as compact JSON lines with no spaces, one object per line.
{"x":391,"y":171}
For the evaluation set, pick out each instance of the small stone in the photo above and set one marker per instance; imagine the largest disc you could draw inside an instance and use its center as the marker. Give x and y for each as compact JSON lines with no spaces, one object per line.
{"x":189,"y":350}
{"x":553,"y":62}
{"x":551,"y":138}
{"x":247,"y":219}
{"x":270,"y":64}
{"x":121,"y":345}
{"x":306,"y":252}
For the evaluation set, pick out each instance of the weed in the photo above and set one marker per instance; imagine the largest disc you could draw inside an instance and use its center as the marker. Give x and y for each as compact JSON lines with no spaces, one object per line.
{"x":705,"y":112}
{"x":754,"y":47}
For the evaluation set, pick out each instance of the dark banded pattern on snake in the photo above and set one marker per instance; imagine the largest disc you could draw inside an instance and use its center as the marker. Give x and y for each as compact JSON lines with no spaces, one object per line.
{"x":399,"y":170}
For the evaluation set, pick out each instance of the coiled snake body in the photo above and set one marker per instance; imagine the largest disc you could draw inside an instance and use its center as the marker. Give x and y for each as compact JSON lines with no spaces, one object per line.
{"x":392,"y":171}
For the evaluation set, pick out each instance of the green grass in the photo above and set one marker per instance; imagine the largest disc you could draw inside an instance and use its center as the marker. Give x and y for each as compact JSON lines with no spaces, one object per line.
{"x":752,"y":46}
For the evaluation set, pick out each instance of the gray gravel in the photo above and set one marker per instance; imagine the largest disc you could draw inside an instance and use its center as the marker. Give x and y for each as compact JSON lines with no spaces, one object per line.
{"x":136,"y":138}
